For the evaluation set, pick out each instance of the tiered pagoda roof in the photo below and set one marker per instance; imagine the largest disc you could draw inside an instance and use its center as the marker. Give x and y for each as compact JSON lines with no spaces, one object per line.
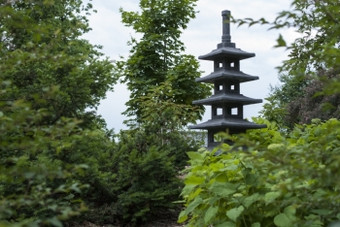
{"x":227,"y":74}
{"x":226,"y":102}
{"x":224,"y":98}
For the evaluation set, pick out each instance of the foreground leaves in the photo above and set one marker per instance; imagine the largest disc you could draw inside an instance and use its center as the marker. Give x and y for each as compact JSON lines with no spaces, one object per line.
{"x":267,"y":179}
{"x":36,"y":187}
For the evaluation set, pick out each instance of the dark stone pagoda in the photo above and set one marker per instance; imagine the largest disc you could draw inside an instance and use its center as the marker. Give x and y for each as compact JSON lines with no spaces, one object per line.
{"x":226,"y":102}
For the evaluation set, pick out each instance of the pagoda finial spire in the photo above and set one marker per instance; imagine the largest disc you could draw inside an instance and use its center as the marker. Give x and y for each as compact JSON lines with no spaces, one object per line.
{"x":226,"y":38}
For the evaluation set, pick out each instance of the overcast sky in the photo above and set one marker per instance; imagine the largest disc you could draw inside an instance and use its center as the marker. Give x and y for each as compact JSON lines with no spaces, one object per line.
{"x":202,"y":35}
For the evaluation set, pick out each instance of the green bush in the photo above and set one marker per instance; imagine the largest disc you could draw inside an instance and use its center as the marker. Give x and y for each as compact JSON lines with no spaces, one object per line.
{"x":131,"y":182}
{"x":267,"y":179}
{"x":36,"y":188}
{"x":146,"y":181}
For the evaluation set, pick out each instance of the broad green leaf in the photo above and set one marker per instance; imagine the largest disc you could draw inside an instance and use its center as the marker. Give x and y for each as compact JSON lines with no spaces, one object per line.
{"x":210,"y":214}
{"x":234,"y":213}
{"x":223,"y":189}
{"x":282,"y":220}
{"x":226,"y":224}
{"x":195,"y":156}
{"x":248,"y":201}
{"x":194,"y":194}
{"x":322,"y":211}
{"x":290,"y":211}
{"x":271,"y":196}
{"x":194,"y":180}
{"x":275,"y":146}
{"x":55,"y":222}
{"x":215,"y":167}
{"x":257,"y":224}
{"x":184,"y":214}
{"x":182,"y":217}
{"x":193,"y":205}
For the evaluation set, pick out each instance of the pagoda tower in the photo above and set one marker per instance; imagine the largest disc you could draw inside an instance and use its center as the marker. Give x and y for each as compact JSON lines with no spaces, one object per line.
{"x":226,"y":102}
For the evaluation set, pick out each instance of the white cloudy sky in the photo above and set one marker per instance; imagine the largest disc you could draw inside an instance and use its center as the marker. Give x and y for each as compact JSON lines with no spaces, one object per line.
{"x":201,"y":36}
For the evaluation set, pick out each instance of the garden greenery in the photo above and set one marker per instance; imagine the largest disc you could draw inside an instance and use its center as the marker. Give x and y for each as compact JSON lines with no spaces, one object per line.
{"x":59,"y":165}
{"x":267,"y":179}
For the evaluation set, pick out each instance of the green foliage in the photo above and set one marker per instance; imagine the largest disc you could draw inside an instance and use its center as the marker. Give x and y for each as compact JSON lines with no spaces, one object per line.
{"x":318,"y":24}
{"x":301,"y":99}
{"x":49,"y":172}
{"x":161,"y":79}
{"x":168,"y":121}
{"x":152,"y":187}
{"x":170,"y":116}
{"x":157,"y":57}
{"x":267,"y":179}
{"x":50,"y":160}
{"x":144,"y":183}
{"x":36,"y":188}
{"x":41,"y":47}
{"x":135,"y":180}
{"x":310,"y":76}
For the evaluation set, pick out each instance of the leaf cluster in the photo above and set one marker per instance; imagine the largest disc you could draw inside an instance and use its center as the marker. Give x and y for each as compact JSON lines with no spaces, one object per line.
{"x":310,"y":76}
{"x":267,"y":179}
{"x":318,"y":26}
{"x":54,"y":155}
{"x":41,"y":47}
{"x":36,"y":187}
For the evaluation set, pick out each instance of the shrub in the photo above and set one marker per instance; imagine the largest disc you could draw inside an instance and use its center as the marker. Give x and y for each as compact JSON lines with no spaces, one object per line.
{"x":267,"y":179}
{"x":146,"y":181}
{"x":36,"y":188}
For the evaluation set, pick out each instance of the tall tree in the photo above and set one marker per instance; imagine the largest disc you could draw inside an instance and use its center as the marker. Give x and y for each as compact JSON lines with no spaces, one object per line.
{"x":157,"y":57}
{"x":161,"y":80}
{"x":49,"y":75}
{"x":311,"y":75}
{"x":41,"y":47}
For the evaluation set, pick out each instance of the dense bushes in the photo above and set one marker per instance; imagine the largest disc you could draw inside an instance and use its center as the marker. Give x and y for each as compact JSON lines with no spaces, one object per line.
{"x":50,"y":173}
{"x":267,"y":179}
{"x":146,"y":183}
{"x":36,"y":187}
{"x":142,"y":182}
{"x":56,"y":157}
{"x":49,"y":143}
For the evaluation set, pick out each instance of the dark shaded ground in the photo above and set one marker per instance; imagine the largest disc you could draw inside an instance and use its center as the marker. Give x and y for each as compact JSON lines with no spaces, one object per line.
{"x":169,"y":220}
{"x":157,"y":223}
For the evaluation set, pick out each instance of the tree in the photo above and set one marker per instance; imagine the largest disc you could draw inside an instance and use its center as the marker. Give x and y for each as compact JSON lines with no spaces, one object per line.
{"x":310,"y":76}
{"x":51,"y":172}
{"x":149,"y":159}
{"x":301,"y":99}
{"x":36,"y":187}
{"x":53,"y":154}
{"x":41,"y":47}
{"x":161,"y":80}
{"x":157,"y":57}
